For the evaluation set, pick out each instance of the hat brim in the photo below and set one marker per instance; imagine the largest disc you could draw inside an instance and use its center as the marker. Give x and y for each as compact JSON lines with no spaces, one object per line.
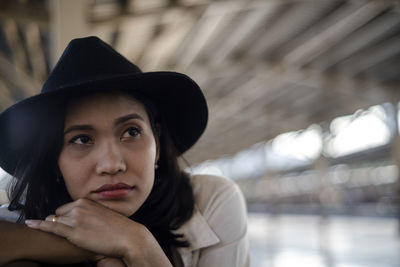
{"x":178,"y":97}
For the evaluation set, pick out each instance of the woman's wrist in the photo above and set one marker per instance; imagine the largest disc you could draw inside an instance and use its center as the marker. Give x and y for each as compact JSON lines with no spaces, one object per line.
{"x":132,"y":251}
{"x":144,"y":250}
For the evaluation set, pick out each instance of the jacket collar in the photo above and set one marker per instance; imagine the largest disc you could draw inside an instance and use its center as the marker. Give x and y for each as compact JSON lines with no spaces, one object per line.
{"x":197,"y":232}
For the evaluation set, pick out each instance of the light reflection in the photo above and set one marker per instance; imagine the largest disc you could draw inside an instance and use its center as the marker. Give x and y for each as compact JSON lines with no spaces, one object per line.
{"x":290,"y":258}
{"x":358,"y":132}
{"x":303,"y":145}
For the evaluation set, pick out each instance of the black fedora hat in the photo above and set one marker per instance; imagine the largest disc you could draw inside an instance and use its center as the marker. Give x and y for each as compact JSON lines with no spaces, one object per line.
{"x":89,"y":64}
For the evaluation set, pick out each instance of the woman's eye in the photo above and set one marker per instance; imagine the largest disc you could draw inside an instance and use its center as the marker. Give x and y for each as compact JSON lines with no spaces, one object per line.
{"x":81,"y":140}
{"x":132,"y":132}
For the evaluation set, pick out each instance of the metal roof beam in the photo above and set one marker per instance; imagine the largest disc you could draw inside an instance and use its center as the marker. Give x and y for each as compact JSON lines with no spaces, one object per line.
{"x":25,"y":12}
{"x":213,"y":20}
{"x":135,"y":35}
{"x":18,"y":80}
{"x":175,"y":23}
{"x":372,"y":56}
{"x":19,"y":57}
{"x":246,"y":29}
{"x":376,"y":30}
{"x":5,"y":95}
{"x":336,"y":32}
{"x":35,"y":52}
{"x":283,"y":29}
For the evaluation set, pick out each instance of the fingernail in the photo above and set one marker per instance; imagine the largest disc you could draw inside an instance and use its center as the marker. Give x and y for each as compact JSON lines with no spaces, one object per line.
{"x":32,"y":223}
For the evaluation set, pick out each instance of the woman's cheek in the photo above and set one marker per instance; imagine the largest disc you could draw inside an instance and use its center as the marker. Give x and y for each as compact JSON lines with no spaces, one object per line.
{"x":74,"y":186}
{"x":74,"y":163}
{"x":74,"y":178}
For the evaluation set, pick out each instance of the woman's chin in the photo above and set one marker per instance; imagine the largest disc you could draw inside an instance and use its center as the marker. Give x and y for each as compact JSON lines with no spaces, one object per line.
{"x":125,"y":209}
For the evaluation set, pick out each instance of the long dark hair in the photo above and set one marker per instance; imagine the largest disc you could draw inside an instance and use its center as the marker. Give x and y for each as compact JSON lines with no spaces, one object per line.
{"x":39,"y":188}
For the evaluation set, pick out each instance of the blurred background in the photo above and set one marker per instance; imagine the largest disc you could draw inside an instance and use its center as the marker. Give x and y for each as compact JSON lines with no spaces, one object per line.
{"x":303,"y":98}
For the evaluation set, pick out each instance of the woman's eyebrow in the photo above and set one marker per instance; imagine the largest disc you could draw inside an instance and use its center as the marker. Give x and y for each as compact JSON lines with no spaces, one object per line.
{"x":78,"y":128}
{"x":128,"y":117}
{"x":119,"y":120}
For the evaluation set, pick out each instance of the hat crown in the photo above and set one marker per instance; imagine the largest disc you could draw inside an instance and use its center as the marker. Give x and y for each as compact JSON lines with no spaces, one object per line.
{"x":87,"y":59}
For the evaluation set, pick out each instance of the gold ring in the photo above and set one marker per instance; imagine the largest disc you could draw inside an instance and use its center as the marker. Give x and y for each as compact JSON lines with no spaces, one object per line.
{"x":54,"y":218}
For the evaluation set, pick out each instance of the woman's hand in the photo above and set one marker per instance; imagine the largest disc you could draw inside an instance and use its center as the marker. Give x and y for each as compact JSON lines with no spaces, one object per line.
{"x":96,"y":228}
{"x":90,"y":225}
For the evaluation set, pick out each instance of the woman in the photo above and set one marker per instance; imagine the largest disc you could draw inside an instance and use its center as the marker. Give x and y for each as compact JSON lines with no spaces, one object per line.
{"x":95,"y":157}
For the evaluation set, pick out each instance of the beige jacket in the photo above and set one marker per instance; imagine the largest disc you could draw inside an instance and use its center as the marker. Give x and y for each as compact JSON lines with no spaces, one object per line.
{"x":217,"y":231}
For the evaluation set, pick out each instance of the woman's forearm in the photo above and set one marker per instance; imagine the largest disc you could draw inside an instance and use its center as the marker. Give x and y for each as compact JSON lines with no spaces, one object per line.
{"x":20,"y":242}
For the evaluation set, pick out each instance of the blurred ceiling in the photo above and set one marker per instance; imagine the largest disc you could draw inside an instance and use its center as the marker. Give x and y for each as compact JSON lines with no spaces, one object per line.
{"x":266,"y":67}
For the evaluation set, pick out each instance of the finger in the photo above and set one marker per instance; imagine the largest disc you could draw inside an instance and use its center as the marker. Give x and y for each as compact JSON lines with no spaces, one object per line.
{"x":49,"y":226}
{"x":60,"y":219}
{"x":52,"y":218}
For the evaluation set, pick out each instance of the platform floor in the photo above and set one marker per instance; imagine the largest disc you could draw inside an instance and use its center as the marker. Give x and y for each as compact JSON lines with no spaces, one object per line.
{"x":303,"y":240}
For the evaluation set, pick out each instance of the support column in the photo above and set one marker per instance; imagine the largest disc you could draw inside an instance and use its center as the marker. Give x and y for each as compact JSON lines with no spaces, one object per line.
{"x":322,"y":195}
{"x":68,"y":20}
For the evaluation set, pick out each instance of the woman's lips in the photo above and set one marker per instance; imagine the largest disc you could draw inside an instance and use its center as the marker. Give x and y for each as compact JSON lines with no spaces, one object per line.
{"x":113,"y":190}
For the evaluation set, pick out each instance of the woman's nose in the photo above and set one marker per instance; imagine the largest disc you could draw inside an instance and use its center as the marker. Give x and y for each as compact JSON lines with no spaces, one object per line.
{"x":110,"y":160}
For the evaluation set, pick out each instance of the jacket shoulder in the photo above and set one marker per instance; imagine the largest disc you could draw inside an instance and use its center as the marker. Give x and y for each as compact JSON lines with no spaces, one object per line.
{"x":222,"y":204}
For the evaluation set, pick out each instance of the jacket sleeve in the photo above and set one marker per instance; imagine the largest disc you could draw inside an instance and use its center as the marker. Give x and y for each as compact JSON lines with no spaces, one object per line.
{"x":6,"y":215}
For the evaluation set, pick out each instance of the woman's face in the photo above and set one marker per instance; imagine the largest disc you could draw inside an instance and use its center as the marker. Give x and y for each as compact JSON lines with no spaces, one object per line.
{"x":109,"y":151}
